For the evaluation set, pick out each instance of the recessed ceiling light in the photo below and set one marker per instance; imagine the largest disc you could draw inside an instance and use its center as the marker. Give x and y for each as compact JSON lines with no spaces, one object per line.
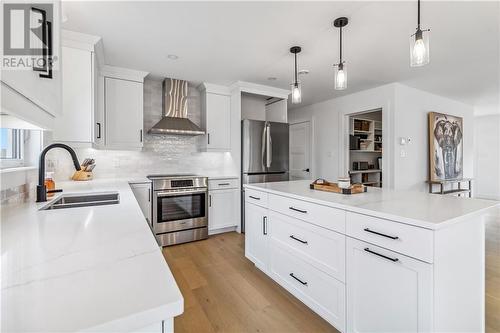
{"x":272,"y":78}
{"x":172,"y":57}
{"x":303,"y":72}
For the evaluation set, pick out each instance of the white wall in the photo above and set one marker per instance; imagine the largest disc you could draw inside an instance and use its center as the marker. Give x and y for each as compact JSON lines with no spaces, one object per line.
{"x":410,"y":119}
{"x":487,"y":157}
{"x":404,"y":115}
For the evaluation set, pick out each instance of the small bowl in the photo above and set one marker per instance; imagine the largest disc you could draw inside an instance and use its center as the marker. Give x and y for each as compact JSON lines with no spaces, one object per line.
{"x":344,"y":182}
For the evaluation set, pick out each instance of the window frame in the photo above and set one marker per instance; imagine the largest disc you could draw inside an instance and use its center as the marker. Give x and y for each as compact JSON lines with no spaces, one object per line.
{"x":18,"y":151}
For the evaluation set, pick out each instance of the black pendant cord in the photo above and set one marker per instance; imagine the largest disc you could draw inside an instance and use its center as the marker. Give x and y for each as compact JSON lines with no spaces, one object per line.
{"x":418,"y":15}
{"x":340,"y":46}
{"x":296,"y":78}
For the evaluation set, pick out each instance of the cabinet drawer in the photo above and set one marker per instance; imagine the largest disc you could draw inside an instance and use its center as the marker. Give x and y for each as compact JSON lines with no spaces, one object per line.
{"x":323,"y":216}
{"x":256,"y":197}
{"x":412,"y":241}
{"x":319,"y":291}
{"x":222,"y":184}
{"x":324,"y":249}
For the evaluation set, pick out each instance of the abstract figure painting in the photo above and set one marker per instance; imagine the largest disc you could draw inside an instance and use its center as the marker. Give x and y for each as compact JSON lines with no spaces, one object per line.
{"x":445,"y":147}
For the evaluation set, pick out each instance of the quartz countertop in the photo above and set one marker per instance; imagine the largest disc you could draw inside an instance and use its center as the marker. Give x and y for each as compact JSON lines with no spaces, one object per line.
{"x":83,"y":269}
{"x":430,"y":211}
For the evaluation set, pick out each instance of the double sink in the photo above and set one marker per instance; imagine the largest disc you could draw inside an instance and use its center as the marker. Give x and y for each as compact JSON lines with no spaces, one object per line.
{"x":83,"y":200}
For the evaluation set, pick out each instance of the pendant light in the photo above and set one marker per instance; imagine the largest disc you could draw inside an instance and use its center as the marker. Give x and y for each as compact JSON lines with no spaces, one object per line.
{"x":419,"y":46}
{"x":295,"y":86}
{"x":340,"y":68}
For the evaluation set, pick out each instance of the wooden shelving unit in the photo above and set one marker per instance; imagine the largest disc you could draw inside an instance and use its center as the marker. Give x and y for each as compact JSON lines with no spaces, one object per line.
{"x":369,"y":132}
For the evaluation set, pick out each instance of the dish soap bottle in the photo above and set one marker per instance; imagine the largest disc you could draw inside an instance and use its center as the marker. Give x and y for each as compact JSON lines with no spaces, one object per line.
{"x":50,"y":184}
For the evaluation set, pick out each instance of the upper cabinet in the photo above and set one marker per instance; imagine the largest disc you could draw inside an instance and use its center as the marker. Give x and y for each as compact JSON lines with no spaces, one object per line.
{"x":216,"y":117}
{"x":102,"y":105}
{"x":123,"y":113}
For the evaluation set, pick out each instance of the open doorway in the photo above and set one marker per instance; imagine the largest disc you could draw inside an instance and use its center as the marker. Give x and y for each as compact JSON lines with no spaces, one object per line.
{"x":366,"y":148}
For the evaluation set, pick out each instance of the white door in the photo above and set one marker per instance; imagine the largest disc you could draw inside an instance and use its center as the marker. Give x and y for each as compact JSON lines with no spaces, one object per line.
{"x":256,"y":239}
{"x":222,"y":211}
{"x":300,"y":150}
{"x":123,"y":112}
{"x":386,"y":291}
{"x":218,"y":124}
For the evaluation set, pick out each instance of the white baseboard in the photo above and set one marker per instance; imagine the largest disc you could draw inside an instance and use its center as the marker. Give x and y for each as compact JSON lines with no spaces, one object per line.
{"x":221,"y":231}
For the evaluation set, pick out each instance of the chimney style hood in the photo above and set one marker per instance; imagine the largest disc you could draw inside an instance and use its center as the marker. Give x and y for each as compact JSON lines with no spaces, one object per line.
{"x":175,"y":106}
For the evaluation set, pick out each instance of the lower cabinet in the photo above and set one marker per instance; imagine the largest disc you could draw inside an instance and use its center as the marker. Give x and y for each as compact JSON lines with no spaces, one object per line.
{"x":256,"y":235}
{"x":223,"y":209}
{"x":386,"y":291}
{"x":318,"y":290}
{"x":142,"y":193}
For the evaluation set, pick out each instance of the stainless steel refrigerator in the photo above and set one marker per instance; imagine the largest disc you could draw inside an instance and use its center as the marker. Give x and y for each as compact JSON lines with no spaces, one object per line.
{"x":264,"y":155}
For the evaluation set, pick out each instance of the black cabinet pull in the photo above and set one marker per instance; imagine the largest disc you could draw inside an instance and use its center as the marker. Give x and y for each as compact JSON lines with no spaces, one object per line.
{"x":208,"y":138}
{"x":255,"y":198}
{"x":224,"y":184}
{"x":380,"y":234}
{"x":298,"y":239}
{"x":298,"y":210}
{"x":264,"y":225}
{"x":140,"y":135}
{"x":98,"y":130}
{"x":209,"y":201}
{"x":381,"y":255}
{"x":296,"y":278}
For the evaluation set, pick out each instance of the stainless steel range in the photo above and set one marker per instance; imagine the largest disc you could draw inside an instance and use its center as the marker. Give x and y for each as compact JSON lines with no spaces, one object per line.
{"x":180,"y":208}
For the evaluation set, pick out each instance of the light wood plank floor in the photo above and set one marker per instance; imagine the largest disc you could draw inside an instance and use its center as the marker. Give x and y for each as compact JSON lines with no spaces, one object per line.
{"x":493,"y":276}
{"x":224,"y":292}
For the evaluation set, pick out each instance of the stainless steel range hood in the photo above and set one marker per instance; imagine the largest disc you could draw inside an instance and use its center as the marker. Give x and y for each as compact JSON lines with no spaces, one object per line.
{"x":175,"y":106}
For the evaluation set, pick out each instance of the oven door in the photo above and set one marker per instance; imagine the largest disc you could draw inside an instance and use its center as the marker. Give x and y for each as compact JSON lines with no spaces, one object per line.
{"x":179,"y":210}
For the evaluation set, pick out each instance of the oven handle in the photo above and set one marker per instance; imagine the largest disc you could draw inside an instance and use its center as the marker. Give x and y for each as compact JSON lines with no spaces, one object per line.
{"x":174,"y":193}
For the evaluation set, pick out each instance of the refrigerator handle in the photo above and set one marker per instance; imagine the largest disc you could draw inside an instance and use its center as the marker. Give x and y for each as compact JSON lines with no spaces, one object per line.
{"x":269,"y":157}
{"x":264,"y":146}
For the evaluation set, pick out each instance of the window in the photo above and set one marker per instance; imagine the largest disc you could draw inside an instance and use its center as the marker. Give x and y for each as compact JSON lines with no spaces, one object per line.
{"x":11,"y":147}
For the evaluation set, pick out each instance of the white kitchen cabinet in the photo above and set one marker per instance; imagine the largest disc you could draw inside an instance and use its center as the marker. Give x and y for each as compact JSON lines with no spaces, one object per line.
{"x":75,"y":123}
{"x":387,"y":291}
{"x":142,"y":193}
{"x":222,"y":211}
{"x":123,"y":112}
{"x":216,"y":118}
{"x":256,"y":235}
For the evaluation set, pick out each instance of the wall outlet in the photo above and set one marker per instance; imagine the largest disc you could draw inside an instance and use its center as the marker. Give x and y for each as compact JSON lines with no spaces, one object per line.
{"x":402,"y":153}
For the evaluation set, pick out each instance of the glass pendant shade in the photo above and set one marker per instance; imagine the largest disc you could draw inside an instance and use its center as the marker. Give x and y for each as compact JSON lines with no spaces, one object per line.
{"x":340,"y":77}
{"x":419,"y":48}
{"x":296,"y":93}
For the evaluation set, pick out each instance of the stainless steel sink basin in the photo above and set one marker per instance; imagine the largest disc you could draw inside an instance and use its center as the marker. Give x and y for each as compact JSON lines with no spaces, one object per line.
{"x":84,"y":200}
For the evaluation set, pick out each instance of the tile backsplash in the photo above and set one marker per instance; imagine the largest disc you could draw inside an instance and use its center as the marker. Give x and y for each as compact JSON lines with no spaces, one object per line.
{"x":161,"y":153}
{"x":18,"y":186}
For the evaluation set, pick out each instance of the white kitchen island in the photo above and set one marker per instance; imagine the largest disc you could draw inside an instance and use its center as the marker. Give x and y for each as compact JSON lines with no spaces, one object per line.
{"x":92,"y":269}
{"x":381,"y":261}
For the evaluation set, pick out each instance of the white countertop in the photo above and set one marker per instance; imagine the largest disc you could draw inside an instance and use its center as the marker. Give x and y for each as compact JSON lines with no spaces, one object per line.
{"x":83,"y":269}
{"x":424,"y":210}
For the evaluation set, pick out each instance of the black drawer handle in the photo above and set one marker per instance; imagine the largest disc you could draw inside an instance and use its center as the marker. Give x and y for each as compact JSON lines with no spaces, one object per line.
{"x":264,"y":225}
{"x":380,"y":234}
{"x":224,"y":184}
{"x":381,"y":255}
{"x":296,"y":278}
{"x":255,"y":198}
{"x":298,"y":239}
{"x":298,"y":210}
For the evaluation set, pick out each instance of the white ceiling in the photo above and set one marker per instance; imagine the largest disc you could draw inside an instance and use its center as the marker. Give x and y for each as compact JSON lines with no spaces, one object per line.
{"x":222,"y":42}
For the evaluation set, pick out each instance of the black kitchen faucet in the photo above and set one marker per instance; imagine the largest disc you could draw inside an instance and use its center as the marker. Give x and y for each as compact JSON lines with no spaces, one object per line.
{"x":41,"y":190}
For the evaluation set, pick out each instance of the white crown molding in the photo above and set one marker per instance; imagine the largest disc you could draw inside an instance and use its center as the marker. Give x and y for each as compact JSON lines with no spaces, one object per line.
{"x":260,"y":89}
{"x":214,"y":88}
{"x":79,"y":40}
{"x":123,"y":73}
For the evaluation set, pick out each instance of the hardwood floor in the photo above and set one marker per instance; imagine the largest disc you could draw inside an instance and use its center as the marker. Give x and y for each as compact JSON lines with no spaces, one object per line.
{"x":224,"y":292}
{"x":493,"y":275}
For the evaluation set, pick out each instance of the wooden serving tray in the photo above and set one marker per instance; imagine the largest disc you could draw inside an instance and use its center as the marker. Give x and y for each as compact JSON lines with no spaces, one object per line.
{"x":333,"y":187}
